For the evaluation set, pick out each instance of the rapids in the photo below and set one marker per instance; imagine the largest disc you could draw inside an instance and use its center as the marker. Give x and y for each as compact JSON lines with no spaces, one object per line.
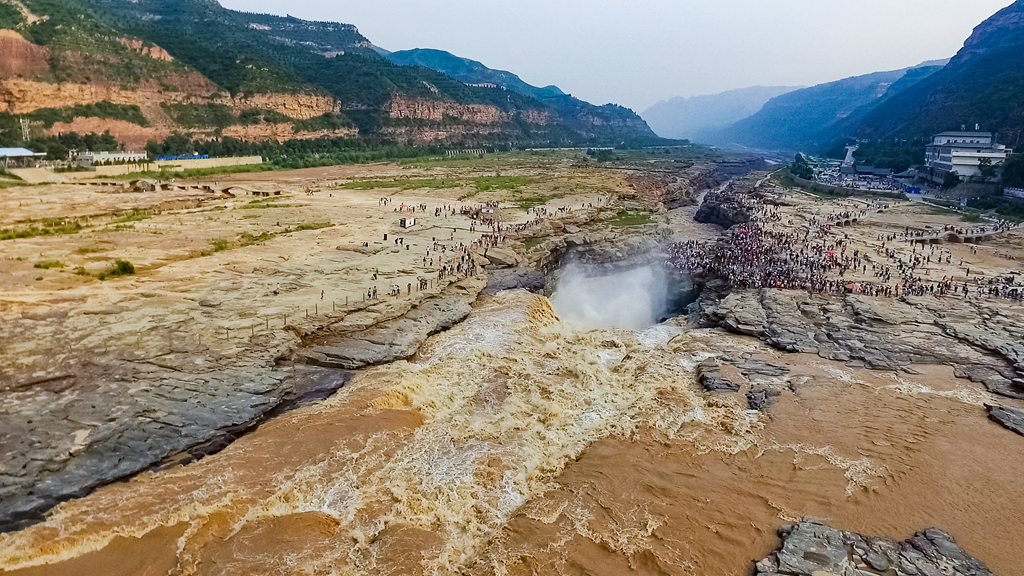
{"x":517,"y":443}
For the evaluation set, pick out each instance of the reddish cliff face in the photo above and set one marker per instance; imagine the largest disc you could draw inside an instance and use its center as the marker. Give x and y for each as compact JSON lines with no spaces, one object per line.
{"x":24,"y":66}
{"x":436,"y":110}
{"x":282,"y":132}
{"x":297,"y":106}
{"x":19,"y":57}
{"x":20,"y":96}
{"x":446,"y":122}
{"x":536,"y":117}
{"x":154,"y":52}
{"x":132,"y":136}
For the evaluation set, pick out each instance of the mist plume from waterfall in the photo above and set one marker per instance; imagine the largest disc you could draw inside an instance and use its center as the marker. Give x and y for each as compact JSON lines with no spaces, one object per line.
{"x":631,"y":299}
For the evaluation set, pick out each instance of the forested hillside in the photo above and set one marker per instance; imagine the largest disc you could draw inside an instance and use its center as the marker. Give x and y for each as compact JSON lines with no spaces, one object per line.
{"x":813,"y":118}
{"x":982,"y":85}
{"x":470,"y":71}
{"x":160,"y":67}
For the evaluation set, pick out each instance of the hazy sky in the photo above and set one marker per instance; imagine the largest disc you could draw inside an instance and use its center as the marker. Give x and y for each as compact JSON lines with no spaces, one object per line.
{"x":638,"y":52}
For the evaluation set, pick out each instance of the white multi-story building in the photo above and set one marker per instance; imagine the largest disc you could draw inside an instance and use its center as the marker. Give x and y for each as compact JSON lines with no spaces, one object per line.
{"x":962,"y":153}
{"x":88,"y":159}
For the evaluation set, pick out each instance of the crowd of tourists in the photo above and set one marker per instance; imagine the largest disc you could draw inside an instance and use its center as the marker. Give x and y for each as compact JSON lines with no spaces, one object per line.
{"x":862,"y":183}
{"x":817,"y":259}
{"x":964,"y":232}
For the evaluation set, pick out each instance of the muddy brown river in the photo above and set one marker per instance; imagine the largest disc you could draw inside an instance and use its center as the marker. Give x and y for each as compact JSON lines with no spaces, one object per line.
{"x":517,"y":444}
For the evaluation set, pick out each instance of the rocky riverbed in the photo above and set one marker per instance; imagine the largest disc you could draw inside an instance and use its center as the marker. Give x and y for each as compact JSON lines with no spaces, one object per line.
{"x":853,"y":404}
{"x":101,"y":382}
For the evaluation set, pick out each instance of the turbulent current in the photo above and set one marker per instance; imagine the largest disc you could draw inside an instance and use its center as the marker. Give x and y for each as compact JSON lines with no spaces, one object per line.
{"x":518,"y":444}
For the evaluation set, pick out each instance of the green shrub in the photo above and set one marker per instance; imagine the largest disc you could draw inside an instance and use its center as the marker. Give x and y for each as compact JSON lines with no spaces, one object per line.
{"x":801,"y":169}
{"x":952,"y":180}
{"x":106,"y":110}
{"x":80,"y":271}
{"x":321,"y":123}
{"x":404,"y":184}
{"x":499,"y":182}
{"x":259,"y":116}
{"x":309,"y":226}
{"x":118,"y":269}
{"x":1005,"y":208}
{"x":133,"y":215}
{"x":629,"y":218}
{"x":263,"y":205}
{"x":9,"y":16}
{"x":247,"y":239}
{"x":48,"y":227}
{"x":528,"y":202}
{"x":201,"y":115}
{"x":220,"y":244}
{"x":47,"y":264}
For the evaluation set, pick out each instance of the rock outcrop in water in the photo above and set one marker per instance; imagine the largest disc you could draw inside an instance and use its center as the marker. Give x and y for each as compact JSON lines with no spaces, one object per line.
{"x":710,"y":376}
{"x":811,"y":547}
{"x":979,"y":342}
{"x":1011,"y":418}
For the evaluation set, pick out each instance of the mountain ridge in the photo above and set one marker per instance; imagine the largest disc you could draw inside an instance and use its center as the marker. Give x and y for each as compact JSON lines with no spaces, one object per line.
{"x":698,"y":116}
{"x":470,"y":71}
{"x":578,"y":115}
{"x":212,"y":63}
{"x":815,"y":117}
{"x":983,"y":84}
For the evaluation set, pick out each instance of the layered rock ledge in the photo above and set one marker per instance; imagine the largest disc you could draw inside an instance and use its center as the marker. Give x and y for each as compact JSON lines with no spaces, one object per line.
{"x":813,"y":548}
{"x":979,"y":341}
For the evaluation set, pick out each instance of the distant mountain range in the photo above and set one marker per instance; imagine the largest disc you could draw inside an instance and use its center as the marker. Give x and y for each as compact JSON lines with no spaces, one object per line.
{"x":983,"y":86}
{"x":146,"y":69}
{"x":698,"y":117}
{"x":816,"y":117}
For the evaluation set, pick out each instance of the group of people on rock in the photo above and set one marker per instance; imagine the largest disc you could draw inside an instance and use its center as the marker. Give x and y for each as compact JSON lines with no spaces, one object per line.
{"x":997,"y":227}
{"x":866,"y":183}
{"x":755,"y":255}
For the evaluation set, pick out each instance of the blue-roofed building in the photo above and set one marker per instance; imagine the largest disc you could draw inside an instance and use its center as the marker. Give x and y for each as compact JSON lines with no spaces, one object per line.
{"x":19,"y":157}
